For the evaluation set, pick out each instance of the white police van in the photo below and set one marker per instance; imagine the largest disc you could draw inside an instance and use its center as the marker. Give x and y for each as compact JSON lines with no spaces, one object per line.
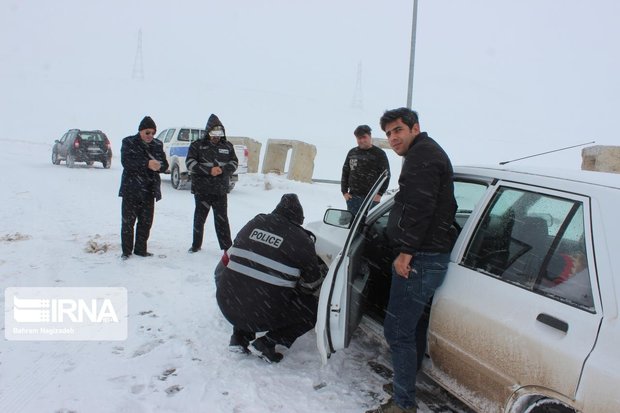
{"x":176,"y":145}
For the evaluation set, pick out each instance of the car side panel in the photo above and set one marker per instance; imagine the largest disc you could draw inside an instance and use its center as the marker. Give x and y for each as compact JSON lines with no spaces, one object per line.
{"x":598,"y":390}
{"x":485,"y":339}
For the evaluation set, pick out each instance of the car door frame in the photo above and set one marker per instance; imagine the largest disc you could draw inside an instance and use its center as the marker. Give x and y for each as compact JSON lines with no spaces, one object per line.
{"x":334,"y":332}
{"x":332,"y":328}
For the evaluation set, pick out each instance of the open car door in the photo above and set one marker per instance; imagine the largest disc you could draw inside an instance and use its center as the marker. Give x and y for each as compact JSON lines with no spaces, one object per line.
{"x":341,"y":300}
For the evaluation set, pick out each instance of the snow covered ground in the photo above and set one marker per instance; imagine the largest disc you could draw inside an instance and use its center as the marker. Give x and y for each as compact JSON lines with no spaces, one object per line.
{"x":59,"y":227}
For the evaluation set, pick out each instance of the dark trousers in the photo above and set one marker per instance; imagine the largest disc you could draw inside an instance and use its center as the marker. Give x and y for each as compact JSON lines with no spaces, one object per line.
{"x":303,"y":312}
{"x":295,"y":317}
{"x":408,"y":300}
{"x":354,"y":204}
{"x":141,"y":209}
{"x":204,"y":203}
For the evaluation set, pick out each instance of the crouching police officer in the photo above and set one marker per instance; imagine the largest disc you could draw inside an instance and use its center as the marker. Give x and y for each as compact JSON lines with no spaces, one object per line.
{"x":270,"y":281}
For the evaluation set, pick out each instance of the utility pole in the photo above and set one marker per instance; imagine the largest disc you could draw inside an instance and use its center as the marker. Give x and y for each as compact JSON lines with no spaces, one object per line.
{"x":138,"y":68}
{"x":412,"y":55}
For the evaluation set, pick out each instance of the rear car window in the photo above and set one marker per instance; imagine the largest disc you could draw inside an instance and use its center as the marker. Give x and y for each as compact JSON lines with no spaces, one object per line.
{"x":92,"y":136}
{"x":537,"y":242}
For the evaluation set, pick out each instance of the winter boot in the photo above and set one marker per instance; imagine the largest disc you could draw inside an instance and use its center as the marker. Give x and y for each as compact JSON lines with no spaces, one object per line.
{"x":238,"y":344}
{"x":266,"y":349}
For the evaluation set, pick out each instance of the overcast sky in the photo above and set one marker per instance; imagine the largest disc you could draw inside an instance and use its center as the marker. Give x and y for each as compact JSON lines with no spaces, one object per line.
{"x":494,"y":80}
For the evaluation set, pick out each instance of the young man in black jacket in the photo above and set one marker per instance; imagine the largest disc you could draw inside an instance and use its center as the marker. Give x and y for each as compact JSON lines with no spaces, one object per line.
{"x":143,"y":159}
{"x":211,"y":161}
{"x":270,"y":281}
{"x":421,"y":231}
{"x":362,"y":167}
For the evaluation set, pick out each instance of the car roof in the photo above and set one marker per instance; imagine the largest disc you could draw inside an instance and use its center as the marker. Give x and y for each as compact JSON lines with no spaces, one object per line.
{"x":528,"y":174}
{"x":185,"y":127}
{"x":86,"y":130}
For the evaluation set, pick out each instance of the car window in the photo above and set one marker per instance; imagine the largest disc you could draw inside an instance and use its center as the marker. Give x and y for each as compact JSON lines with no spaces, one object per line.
{"x":92,"y":136}
{"x":64,"y":137}
{"x":467,"y":195}
{"x":169,"y":135}
{"x":567,"y":277}
{"x":183,"y":135}
{"x":162,"y":135}
{"x":195,"y":135}
{"x":529,"y":239}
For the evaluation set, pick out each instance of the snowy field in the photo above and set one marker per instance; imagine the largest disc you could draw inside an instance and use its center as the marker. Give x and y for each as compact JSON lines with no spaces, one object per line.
{"x":59,"y":227}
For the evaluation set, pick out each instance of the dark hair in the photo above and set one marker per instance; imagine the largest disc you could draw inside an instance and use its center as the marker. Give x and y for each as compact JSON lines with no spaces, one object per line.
{"x":362,"y":130}
{"x":408,"y":116}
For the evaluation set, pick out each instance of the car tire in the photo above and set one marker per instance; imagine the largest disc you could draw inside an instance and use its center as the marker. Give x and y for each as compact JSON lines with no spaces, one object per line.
{"x":106,"y":163}
{"x":549,"y":406}
{"x":175,"y":177}
{"x":90,"y":163}
{"x":70,"y":161}
{"x":55,"y":159}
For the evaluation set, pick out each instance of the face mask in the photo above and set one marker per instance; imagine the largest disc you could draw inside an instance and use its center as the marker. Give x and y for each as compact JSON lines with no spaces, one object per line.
{"x":216,"y":133}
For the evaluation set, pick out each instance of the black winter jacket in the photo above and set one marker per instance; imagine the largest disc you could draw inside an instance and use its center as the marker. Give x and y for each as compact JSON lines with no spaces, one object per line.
{"x":204,"y":155}
{"x":272,"y":260}
{"x":137,"y":178}
{"x":362,"y":168}
{"x":424,"y":209}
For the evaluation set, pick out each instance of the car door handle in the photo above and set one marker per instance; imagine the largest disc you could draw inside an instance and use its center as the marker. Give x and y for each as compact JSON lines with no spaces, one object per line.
{"x":553,"y":322}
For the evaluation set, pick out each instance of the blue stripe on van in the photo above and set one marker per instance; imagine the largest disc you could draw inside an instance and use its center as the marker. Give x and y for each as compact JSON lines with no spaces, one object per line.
{"x":179,"y":151}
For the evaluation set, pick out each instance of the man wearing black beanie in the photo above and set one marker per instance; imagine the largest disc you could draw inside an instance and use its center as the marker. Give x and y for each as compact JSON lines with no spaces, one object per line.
{"x":143,"y":159}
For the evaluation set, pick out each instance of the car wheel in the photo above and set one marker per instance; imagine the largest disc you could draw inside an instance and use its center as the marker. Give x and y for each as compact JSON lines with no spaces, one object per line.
{"x":175,"y":177}
{"x":70,"y":161}
{"x":106,"y":163}
{"x":89,"y":163}
{"x":549,"y":406}
{"x":55,"y":159}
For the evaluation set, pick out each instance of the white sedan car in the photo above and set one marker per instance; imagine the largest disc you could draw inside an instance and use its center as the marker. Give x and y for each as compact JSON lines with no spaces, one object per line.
{"x":527,"y":317}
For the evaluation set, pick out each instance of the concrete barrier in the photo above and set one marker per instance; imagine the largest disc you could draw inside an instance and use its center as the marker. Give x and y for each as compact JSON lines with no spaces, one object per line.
{"x":381,"y":143}
{"x":601,"y":158}
{"x":301,"y":165}
{"x":253,"y":150}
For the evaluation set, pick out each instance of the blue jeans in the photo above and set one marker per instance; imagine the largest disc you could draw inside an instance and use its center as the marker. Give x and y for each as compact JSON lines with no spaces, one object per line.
{"x":408,"y":297}
{"x":354,"y":204}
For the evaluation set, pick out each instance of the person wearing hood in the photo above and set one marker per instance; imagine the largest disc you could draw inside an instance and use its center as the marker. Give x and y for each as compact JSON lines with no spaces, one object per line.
{"x":211,"y":161}
{"x":269,"y":281}
{"x":143,"y":159}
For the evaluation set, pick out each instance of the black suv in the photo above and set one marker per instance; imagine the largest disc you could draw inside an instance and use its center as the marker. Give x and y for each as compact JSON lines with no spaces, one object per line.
{"x":82,"y":146}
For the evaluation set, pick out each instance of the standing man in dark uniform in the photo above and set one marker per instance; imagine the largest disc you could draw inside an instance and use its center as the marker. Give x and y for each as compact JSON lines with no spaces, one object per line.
{"x":211,"y":161}
{"x":421,"y":231}
{"x":270,"y":281}
{"x":362,"y":167}
{"x":143,"y":159}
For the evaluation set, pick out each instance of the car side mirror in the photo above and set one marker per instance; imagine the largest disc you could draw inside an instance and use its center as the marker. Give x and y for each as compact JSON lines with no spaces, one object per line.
{"x":56,"y":141}
{"x":338,"y":218}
